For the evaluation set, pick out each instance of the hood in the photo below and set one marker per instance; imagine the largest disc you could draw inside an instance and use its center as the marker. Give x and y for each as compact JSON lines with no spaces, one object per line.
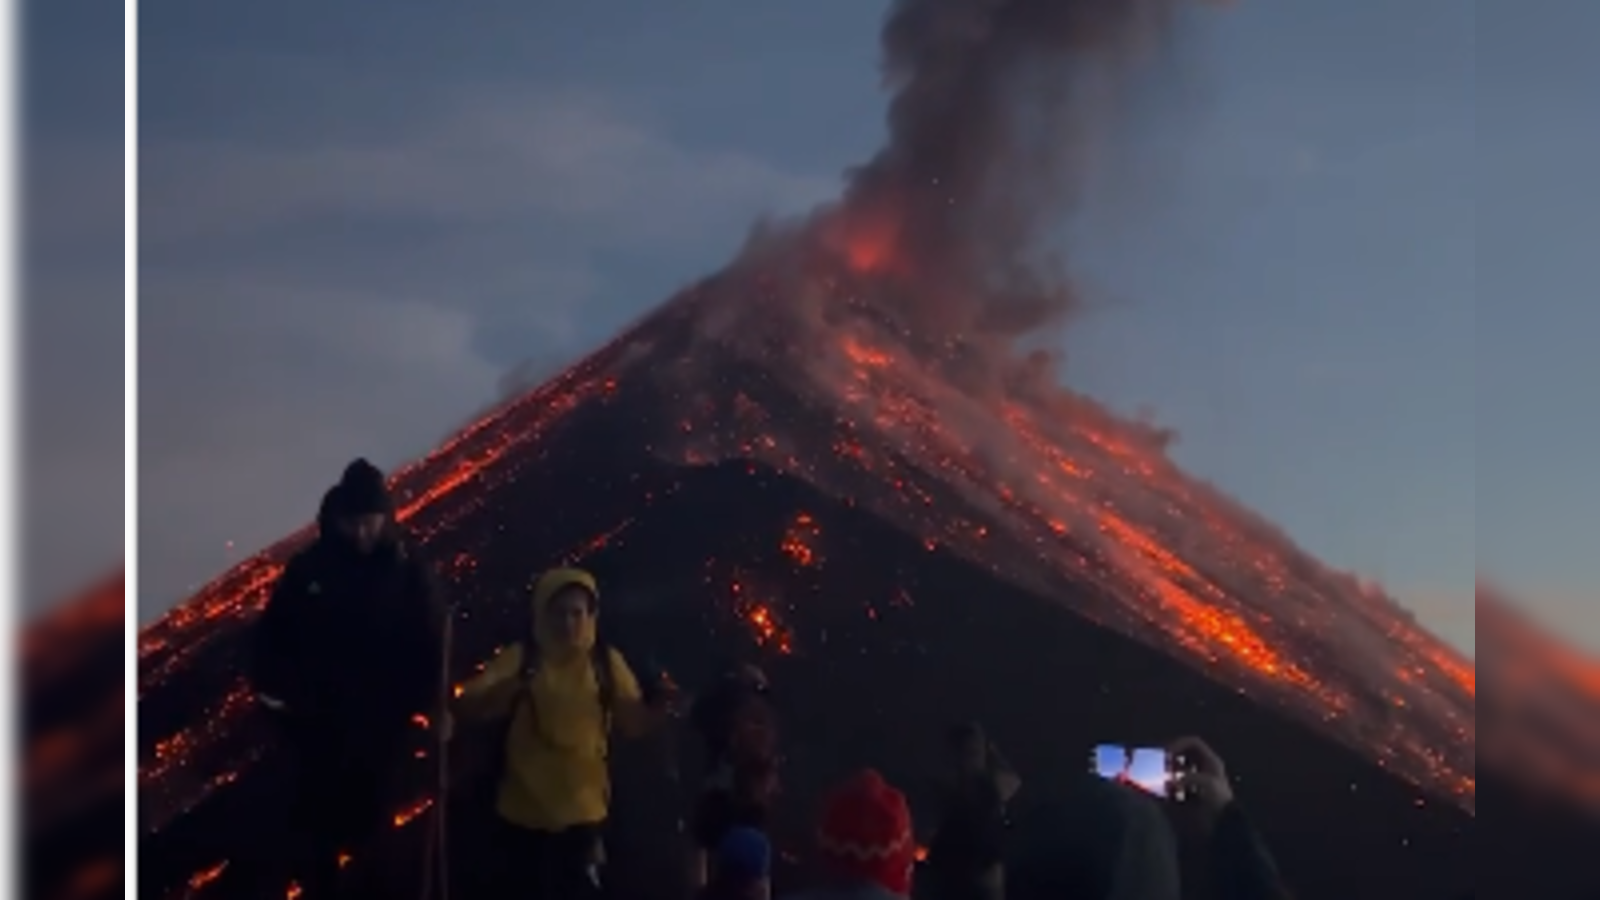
{"x":361,"y":490}
{"x":1099,"y":841}
{"x":545,"y":589}
{"x":327,"y":512}
{"x":364,"y":490}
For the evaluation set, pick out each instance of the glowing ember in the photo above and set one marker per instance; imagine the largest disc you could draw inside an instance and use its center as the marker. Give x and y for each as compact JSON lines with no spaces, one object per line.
{"x":797,"y":541}
{"x":408,"y":815}
{"x":768,"y":631}
{"x":205,"y":877}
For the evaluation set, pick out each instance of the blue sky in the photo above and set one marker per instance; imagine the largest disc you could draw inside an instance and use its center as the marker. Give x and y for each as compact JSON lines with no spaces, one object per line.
{"x":354,"y":224}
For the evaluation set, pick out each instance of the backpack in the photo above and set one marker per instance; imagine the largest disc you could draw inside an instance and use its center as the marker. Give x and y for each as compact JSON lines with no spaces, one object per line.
{"x":604,"y":679}
{"x":483,"y":761}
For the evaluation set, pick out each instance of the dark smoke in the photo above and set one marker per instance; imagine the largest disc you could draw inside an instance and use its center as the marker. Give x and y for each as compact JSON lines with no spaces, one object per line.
{"x":996,"y":108}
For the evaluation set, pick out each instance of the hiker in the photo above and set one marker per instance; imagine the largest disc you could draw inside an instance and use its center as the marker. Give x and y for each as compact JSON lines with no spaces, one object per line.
{"x":865,"y":841}
{"x":1241,"y":866}
{"x":965,"y":851}
{"x":741,"y":868}
{"x":1104,"y":839}
{"x":1099,"y":840}
{"x":737,"y":725}
{"x":560,"y":691}
{"x":346,"y":653}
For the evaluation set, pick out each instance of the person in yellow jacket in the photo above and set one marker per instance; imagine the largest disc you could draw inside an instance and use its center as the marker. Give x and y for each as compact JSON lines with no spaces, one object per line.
{"x":565,"y":694}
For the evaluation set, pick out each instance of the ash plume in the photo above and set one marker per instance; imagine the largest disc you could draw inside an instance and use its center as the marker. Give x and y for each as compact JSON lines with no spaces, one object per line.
{"x":942,"y":244}
{"x":995,"y":110}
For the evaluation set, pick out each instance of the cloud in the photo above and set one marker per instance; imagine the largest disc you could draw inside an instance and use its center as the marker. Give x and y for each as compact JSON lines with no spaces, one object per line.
{"x":253,"y":396}
{"x":72,"y":369}
{"x":470,"y":156}
{"x":313,"y":295}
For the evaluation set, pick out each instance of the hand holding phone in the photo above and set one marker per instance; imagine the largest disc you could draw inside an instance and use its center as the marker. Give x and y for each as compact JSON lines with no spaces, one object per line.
{"x":1201,"y":778}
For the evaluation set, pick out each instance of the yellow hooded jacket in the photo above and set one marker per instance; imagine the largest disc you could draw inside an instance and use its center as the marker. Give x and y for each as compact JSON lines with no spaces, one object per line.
{"x":556,"y":772}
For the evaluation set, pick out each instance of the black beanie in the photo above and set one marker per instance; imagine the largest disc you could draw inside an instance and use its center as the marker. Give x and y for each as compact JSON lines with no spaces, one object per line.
{"x":362,"y":490}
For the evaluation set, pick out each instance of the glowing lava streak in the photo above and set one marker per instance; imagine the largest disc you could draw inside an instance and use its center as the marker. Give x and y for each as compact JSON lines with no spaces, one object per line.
{"x":408,"y":815}
{"x":200,"y":880}
{"x":1221,"y":629}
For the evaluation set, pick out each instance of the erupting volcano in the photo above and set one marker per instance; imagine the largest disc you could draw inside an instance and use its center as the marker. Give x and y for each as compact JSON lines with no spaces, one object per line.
{"x":832,"y":453}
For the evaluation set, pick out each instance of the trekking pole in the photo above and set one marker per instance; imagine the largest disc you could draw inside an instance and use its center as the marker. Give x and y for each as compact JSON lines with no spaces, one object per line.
{"x":436,"y":856}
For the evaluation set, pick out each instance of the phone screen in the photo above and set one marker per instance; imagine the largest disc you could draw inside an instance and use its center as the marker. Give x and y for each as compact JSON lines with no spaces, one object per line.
{"x":1146,"y":768}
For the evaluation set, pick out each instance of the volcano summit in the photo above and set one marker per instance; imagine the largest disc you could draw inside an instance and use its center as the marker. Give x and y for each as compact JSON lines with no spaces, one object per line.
{"x":832,"y":454}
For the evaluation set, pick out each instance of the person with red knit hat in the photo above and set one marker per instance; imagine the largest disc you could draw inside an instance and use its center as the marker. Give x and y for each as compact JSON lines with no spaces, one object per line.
{"x":865,"y":841}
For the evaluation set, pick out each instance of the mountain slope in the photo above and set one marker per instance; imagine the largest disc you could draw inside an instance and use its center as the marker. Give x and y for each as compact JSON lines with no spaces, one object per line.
{"x":734,"y":497}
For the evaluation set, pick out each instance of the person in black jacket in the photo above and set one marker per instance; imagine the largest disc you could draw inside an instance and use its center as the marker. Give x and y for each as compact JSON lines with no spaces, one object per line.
{"x":1241,"y":866}
{"x":1106,"y":840}
{"x":965,"y":858}
{"x":737,"y":724}
{"x":347,"y":652}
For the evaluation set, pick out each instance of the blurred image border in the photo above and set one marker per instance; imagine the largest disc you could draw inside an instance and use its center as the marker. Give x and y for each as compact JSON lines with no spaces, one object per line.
{"x":10,"y":409}
{"x":130,"y":420}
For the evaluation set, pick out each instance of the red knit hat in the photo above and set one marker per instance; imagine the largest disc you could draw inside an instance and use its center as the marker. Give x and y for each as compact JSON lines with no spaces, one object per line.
{"x":865,"y":833}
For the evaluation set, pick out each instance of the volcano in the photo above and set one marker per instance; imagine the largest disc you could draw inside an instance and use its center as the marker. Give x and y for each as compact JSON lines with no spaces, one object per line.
{"x":903,"y":551}
{"x":835,"y":455}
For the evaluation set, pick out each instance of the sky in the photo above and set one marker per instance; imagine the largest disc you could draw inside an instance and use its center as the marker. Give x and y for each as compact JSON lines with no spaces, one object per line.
{"x":354,"y":225}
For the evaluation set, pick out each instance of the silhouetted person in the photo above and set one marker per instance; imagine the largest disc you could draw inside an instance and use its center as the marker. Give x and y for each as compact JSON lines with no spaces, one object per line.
{"x":738,"y":728}
{"x":1241,"y":866}
{"x":346,"y":653}
{"x":965,"y":859}
{"x":1104,"y":840}
{"x":560,"y":691}
{"x":1098,"y":840}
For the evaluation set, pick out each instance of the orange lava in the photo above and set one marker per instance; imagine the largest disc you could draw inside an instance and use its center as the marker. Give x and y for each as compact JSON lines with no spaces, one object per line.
{"x":1215,"y":626}
{"x":798,"y":539}
{"x":867,"y":239}
{"x":201,"y":879}
{"x":765,"y":627}
{"x":408,"y":815}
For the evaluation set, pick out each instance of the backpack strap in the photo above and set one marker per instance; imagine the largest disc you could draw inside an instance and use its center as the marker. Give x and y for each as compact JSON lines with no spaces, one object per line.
{"x":605,"y":680}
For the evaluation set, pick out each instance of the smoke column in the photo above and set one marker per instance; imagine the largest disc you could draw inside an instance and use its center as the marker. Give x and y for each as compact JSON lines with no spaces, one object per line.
{"x":995,"y":105}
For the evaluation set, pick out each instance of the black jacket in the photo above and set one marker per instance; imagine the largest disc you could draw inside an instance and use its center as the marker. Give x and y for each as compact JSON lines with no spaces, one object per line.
{"x":734,"y":720}
{"x":351,"y":643}
{"x":1105,"y":841}
{"x":1242,"y":868}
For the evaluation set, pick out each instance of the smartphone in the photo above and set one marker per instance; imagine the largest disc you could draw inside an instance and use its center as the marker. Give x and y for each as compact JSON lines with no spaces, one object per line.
{"x":1148,"y":768}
